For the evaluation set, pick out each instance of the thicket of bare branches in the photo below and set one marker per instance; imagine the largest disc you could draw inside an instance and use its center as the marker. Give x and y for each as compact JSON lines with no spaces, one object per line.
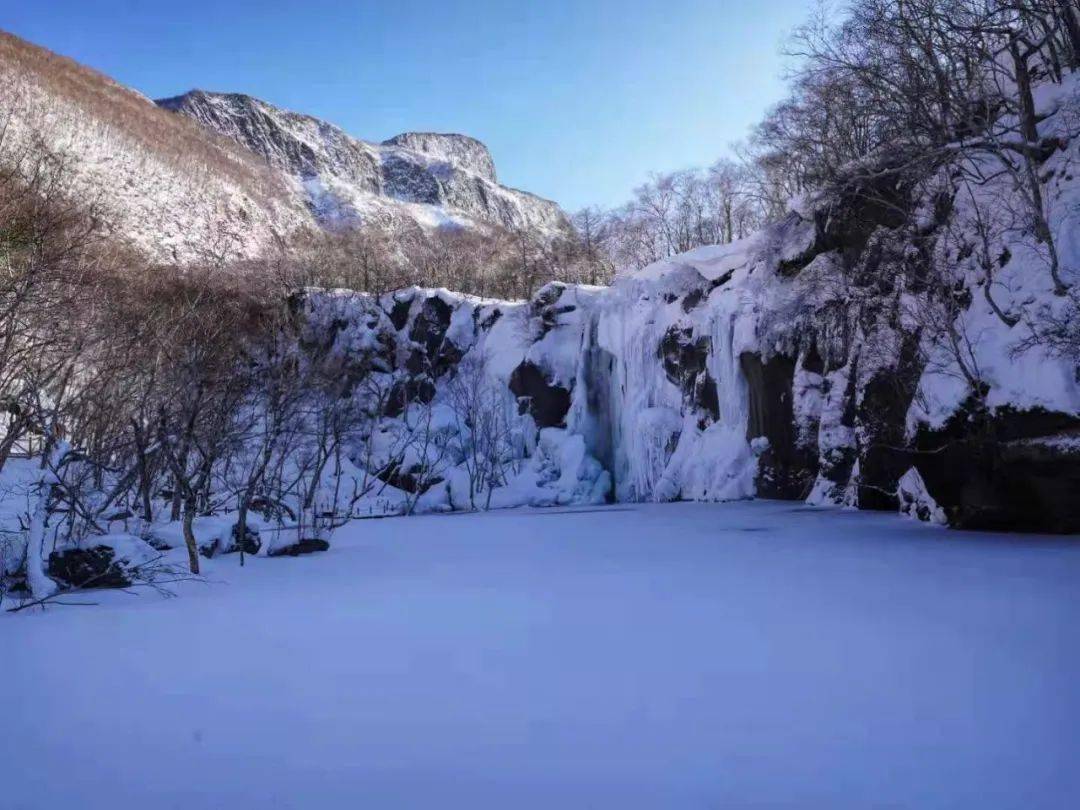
{"x":670,"y":214}
{"x":123,"y":114}
{"x":164,"y":393}
{"x":490,"y":263}
{"x":902,"y":87}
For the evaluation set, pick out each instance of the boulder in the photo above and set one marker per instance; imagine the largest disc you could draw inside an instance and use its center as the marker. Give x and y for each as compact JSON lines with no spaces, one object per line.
{"x":110,"y":561}
{"x":303,"y":546}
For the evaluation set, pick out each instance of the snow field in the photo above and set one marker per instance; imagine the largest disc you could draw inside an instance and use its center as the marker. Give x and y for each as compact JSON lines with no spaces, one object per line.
{"x":759,"y":654}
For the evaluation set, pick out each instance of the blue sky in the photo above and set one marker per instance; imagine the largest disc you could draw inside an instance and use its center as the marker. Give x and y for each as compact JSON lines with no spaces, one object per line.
{"x":578,"y":101}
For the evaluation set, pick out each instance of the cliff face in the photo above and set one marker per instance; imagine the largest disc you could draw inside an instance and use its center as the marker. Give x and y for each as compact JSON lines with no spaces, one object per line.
{"x":874,"y":349}
{"x":716,"y":376}
{"x":458,"y":150}
{"x":431,"y":178}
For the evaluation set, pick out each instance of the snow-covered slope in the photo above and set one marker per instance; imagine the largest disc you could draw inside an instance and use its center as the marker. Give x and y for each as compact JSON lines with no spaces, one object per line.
{"x":431,"y":178}
{"x":159,"y":181}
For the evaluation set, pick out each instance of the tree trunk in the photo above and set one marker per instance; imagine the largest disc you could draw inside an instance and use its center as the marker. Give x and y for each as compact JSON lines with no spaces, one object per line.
{"x":177,"y":502}
{"x":1028,"y":124}
{"x":241,"y":526}
{"x":1072,"y":28}
{"x":189,"y":534}
{"x":7,"y":444}
{"x":145,"y":485}
{"x":1029,"y":131}
{"x":37,"y":578}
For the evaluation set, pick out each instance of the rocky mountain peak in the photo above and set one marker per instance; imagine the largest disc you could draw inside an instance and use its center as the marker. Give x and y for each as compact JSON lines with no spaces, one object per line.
{"x":431,"y":178}
{"x":460,"y":151}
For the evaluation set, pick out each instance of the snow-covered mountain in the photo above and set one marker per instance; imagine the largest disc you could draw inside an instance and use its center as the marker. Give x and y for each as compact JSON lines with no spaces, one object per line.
{"x":430,"y":177}
{"x":209,"y":174}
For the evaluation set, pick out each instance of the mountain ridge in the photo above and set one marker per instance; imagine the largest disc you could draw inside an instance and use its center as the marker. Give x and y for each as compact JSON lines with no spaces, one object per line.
{"x":224,"y":174}
{"x":348,"y":179}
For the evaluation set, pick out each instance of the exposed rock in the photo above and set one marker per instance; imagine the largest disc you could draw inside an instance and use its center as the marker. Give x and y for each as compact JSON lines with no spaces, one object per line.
{"x":251,"y":542}
{"x":304,"y":546}
{"x":430,"y":324}
{"x":399,"y":312}
{"x":886,"y":398}
{"x":457,"y":150}
{"x":540,"y":396}
{"x":916,"y":502}
{"x":692,"y":299}
{"x":94,"y":567}
{"x":419,"y":389}
{"x":407,"y":479}
{"x":110,"y":561}
{"x":684,"y":359}
{"x":1013,"y":470}
{"x":785,"y":469}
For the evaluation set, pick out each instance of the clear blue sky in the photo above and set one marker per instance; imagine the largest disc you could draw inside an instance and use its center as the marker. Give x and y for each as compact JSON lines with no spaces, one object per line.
{"x":578,"y":101}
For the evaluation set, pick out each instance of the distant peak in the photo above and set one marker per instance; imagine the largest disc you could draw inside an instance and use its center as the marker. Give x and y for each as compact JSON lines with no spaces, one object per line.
{"x":197,"y":94}
{"x":462,"y":151}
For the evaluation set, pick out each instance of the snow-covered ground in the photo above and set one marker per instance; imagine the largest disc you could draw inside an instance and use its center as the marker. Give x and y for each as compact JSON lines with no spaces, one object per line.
{"x":761,"y":654}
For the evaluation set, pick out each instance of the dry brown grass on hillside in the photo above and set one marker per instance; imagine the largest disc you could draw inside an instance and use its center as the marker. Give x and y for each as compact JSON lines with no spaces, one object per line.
{"x":172,"y":138}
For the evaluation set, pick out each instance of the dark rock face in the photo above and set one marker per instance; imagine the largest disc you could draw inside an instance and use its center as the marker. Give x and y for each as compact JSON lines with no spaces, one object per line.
{"x":881,"y":414}
{"x":547,"y":306}
{"x":545,"y":400}
{"x":418,"y":187}
{"x":415,"y":389}
{"x":305,"y":546}
{"x":457,"y":150}
{"x":399,"y":312}
{"x":684,"y":359}
{"x":881,"y":199}
{"x":682,"y":356}
{"x":277,"y":136}
{"x":489,"y":320}
{"x":430,"y":324}
{"x":786,"y":470}
{"x":447,"y":359}
{"x":692,"y":299}
{"x":1010,"y":470}
{"x":88,"y":568}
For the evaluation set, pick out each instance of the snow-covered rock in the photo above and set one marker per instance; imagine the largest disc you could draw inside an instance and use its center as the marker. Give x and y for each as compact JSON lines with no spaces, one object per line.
{"x":800,"y":363}
{"x":431,"y":178}
{"x":105,"y":561}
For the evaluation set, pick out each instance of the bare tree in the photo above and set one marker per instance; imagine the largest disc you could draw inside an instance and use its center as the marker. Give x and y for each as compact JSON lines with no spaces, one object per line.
{"x":483,"y":433}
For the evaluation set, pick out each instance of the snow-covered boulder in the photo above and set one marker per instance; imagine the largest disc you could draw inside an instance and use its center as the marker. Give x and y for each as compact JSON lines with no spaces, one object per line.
{"x":214,"y":534}
{"x":107,"y":561}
